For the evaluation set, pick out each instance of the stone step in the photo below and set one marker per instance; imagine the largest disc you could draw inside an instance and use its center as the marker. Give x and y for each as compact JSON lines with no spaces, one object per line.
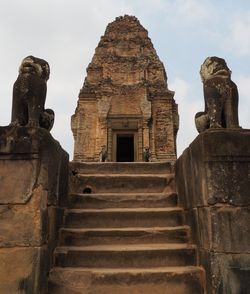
{"x":124,"y":217}
{"x":85,"y":237}
{"x":163,"y":280}
{"x":120,"y":167}
{"x":118,"y":183}
{"x":122,"y":200}
{"x":112,"y":256}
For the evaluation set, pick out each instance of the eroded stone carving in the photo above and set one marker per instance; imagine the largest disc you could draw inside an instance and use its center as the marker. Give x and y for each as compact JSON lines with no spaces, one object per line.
{"x":220,"y":95}
{"x":147,"y":154}
{"x":29,"y":94}
{"x":103,"y":154}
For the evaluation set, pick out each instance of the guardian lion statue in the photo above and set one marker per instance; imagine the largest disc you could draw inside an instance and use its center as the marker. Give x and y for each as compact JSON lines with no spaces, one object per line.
{"x":220,"y":95}
{"x":29,"y":94}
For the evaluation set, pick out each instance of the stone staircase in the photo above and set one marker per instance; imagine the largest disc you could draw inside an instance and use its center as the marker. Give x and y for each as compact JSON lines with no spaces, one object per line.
{"x":124,"y":233}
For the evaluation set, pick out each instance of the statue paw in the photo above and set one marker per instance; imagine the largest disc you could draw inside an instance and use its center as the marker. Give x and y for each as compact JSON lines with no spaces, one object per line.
{"x":201,"y":121}
{"x":47,"y":119}
{"x":215,"y":125}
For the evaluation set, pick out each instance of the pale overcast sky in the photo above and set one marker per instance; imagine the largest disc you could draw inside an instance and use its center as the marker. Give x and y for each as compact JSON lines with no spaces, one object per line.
{"x":66,"y":33}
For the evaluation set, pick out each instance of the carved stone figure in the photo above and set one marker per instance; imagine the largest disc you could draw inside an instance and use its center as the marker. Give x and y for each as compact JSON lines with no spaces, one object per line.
{"x":29,"y":94}
{"x":220,"y":95}
{"x":103,"y":154}
{"x":146,"y":155}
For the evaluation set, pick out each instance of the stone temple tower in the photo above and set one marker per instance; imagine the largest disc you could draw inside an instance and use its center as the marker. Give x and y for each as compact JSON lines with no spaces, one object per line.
{"x":124,"y":103}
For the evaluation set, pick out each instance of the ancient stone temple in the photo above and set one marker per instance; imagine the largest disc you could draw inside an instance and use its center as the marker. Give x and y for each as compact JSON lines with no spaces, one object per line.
{"x":125,"y":227}
{"x":125,"y":105}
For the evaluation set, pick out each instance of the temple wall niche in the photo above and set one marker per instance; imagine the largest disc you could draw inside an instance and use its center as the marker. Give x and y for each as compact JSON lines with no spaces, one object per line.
{"x":125,"y":94}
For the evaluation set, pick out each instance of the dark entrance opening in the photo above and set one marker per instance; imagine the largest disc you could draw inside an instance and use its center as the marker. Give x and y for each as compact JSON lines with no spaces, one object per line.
{"x":125,"y":148}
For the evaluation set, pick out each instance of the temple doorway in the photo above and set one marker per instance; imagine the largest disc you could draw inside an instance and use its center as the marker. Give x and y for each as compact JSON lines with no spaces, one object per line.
{"x":125,"y":148}
{"x":125,"y":145}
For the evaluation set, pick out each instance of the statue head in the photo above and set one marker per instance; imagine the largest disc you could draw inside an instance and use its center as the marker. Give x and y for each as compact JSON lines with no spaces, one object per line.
{"x":36,"y":66}
{"x":214,"y":67}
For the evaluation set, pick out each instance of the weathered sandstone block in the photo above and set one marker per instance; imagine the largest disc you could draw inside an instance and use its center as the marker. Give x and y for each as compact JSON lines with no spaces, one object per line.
{"x":215,"y":169}
{"x":33,"y":173}
{"x":213,"y":184}
{"x":23,"y":270}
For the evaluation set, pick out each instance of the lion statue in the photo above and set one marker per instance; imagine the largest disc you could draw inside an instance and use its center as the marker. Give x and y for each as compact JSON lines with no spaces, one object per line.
{"x":220,"y":95}
{"x":29,"y":94}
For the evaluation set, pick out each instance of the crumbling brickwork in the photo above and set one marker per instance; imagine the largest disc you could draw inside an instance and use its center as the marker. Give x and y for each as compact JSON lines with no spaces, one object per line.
{"x":125,"y":91}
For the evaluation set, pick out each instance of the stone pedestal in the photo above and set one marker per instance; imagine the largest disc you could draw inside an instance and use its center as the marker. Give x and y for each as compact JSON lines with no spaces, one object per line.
{"x":213,"y":183}
{"x":33,"y":187}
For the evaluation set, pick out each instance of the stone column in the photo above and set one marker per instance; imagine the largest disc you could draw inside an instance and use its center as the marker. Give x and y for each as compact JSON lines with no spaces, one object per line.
{"x":140,"y":141}
{"x":213,"y":183}
{"x":152,"y":141}
{"x":102,"y":135}
{"x":33,"y":190}
{"x":160,"y":125}
{"x":110,"y":142}
{"x":145,"y":134}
